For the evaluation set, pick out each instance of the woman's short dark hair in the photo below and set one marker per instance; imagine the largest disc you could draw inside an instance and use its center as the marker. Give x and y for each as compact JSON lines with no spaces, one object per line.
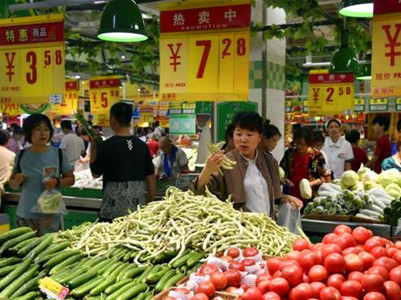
{"x":122,"y":112}
{"x":353,"y":136}
{"x":249,"y":121}
{"x":34,"y":121}
{"x":4,"y":137}
{"x":229,"y":131}
{"x":269,"y":130}
{"x":305,"y":134}
{"x":318,"y":136}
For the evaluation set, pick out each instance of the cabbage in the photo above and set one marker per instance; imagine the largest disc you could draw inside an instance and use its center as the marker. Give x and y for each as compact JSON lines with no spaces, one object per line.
{"x":281,"y":172}
{"x":370,"y":176}
{"x":393,"y":190}
{"x":387,"y":177}
{"x":349,"y":180}
{"x":362,"y":172}
{"x":397,"y":180}
{"x":305,"y":189}
{"x":368,"y":185}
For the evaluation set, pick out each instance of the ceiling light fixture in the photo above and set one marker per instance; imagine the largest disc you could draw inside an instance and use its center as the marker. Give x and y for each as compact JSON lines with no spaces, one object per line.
{"x":122,"y":22}
{"x":344,"y":59}
{"x":357,"y":8}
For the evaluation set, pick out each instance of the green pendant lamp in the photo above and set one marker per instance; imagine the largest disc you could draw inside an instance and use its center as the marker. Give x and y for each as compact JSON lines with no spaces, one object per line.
{"x":344,"y":60}
{"x":122,"y":22}
{"x":357,"y":8}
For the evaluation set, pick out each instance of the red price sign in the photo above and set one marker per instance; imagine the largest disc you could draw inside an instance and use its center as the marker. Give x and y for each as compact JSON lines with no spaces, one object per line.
{"x":104,"y":92}
{"x":330,"y":93}
{"x":70,"y":99}
{"x":32,"y":58}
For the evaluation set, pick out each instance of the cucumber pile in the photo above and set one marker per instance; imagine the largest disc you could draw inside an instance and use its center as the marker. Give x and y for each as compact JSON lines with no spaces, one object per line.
{"x":26,"y":258}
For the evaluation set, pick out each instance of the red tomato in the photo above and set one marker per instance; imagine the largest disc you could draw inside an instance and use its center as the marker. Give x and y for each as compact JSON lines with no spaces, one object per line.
{"x":318,"y":273}
{"x":308,"y":259}
{"x":398,"y":245}
{"x":334,"y":263}
{"x":233,"y":252}
{"x":206,"y":287}
{"x":171,"y":298}
{"x":317,"y":246}
{"x":387,"y":263}
{"x":248,"y":262}
{"x":331,"y":248}
{"x":208,"y":269}
{"x":277,"y":274}
{"x":274,"y":264}
{"x":263,"y":277}
{"x":263,"y":286}
{"x":378,"y":252}
{"x":330,"y":238}
{"x":374,"y":296}
{"x":361,"y":235}
{"x":182,"y":290}
{"x":374,"y":242}
{"x":279,"y":286}
{"x":351,"y":288}
{"x":330,"y":293}
{"x":391,"y":251}
{"x":397,"y":257}
{"x":198,"y":296}
{"x":379,"y":271}
{"x":392,"y":290}
{"x":293,"y":274}
{"x":300,"y":244}
{"x":367,"y":259}
{"x":233,"y":277}
{"x":252,"y":293}
{"x":227,"y":258}
{"x":271,"y":296}
{"x":395,"y":275}
{"x":342,"y":229}
{"x":293,"y":255}
{"x":357,"y":276}
{"x":289,"y":262}
{"x":348,"y":298}
{"x":373,"y":283}
{"x":237,"y":265}
{"x":232,"y":290}
{"x":349,"y":250}
{"x":303,"y":291}
{"x":318,"y":257}
{"x":305,"y":279}
{"x":353,"y":262}
{"x":345,"y":240}
{"x":250,"y":252}
{"x":318,"y":287}
{"x":219,"y":280}
{"x":336,"y":281}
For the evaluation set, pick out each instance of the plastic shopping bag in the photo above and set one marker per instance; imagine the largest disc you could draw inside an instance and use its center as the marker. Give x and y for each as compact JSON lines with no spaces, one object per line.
{"x":50,"y":202}
{"x":290,"y":217}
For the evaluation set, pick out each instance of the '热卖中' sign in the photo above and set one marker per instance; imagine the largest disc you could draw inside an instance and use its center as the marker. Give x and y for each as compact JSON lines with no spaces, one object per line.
{"x":386,"y":54}
{"x":31,"y":58}
{"x":204,"y":53}
{"x":104,"y":92}
{"x":70,"y":99}
{"x":330,"y":93}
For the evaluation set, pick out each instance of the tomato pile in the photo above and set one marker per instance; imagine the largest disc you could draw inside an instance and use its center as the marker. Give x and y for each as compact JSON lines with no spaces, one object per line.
{"x":347,"y":265}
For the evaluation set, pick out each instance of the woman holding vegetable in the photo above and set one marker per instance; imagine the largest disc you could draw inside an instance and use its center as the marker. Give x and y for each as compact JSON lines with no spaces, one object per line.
{"x":303,"y":161}
{"x":250,"y":181}
{"x":38,"y":168}
{"x":338,"y":150}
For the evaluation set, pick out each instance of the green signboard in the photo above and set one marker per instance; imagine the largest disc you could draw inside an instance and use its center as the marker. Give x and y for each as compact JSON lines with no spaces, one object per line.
{"x":226,"y":112}
{"x":203,"y":107}
{"x":183,"y":124}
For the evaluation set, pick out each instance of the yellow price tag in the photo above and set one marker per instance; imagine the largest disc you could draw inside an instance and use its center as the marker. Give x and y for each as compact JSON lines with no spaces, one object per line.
{"x":10,"y":109}
{"x":104,"y":92}
{"x":70,"y":99}
{"x":53,"y":289}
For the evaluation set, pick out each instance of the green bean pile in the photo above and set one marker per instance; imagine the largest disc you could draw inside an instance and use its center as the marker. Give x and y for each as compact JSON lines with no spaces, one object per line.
{"x":183,"y":221}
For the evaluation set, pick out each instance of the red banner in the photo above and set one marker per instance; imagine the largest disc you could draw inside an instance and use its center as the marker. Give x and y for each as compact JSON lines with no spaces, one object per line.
{"x":71,"y":85}
{"x":104,"y":83}
{"x":386,"y":6}
{"x":330,"y":78}
{"x":32,"y":34}
{"x":207,"y":18}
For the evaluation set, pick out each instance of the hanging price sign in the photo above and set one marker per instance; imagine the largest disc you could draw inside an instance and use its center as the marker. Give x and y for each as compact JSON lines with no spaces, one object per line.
{"x":330,"y":93}
{"x":70,"y":100}
{"x":146,"y":114}
{"x":378,"y":105}
{"x":32,"y":58}
{"x":10,"y":109}
{"x":204,"y":53}
{"x":359,"y":105}
{"x":104,"y":92}
{"x":398,"y":104}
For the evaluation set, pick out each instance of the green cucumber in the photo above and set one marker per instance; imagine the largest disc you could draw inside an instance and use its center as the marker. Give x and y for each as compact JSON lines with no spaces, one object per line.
{"x":118,"y":270}
{"x":134,"y":272}
{"x":45,"y":243}
{"x":15,"y":241}
{"x":30,"y":285}
{"x":164,"y":257}
{"x":54,"y":249}
{"x":159,"y":286}
{"x":14,"y":233}
{"x":102,"y":286}
{"x":106,"y":266}
{"x":44,"y":259}
{"x":60,"y":257}
{"x":133,"y":291}
{"x":6,"y":270}
{"x":71,"y":275}
{"x":23,"y":244}
{"x":145,"y":274}
{"x":27,"y":248}
{"x":16,"y":284}
{"x":20,"y":268}
{"x":111,"y":268}
{"x":9,"y":261}
{"x":81,"y":279}
{"x":83,"y":289}
{"x":194,"y":259}
{"x":126,"y":269}
{"x":182,"y":261}
{"x":112,"y":288}
{"x":121,"y":290}
{"x":148,"y":296}
{"x":67,"y":262}
{"x":28,"y":296}
{"x":173,"y":280}
{"x":153,"y":278}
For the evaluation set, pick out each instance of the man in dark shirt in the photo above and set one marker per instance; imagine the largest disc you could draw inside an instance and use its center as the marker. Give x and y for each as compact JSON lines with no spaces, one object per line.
{"x":126,"y":165}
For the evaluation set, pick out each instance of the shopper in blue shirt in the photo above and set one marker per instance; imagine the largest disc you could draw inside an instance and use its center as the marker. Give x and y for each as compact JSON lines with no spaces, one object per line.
{"x":32,"y":166}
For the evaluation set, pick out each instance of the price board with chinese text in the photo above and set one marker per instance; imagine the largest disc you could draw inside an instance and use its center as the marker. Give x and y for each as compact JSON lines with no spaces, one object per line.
{"x":31,"y":58}
{"x":70,"y":99}
{"x":398,"y":104}
{"x":359,"y":105}
{"x":386,"y":54}
{"x":145,"y":115}
{"x":10,"y":109}
{"x":204,"y":53}
{"x":330,"y":94}
{"x":380,"y":104}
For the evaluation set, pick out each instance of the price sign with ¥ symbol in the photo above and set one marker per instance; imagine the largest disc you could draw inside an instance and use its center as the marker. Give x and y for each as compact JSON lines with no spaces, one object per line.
{"x":32,"y":58}
{"x":53,"y":289}
{"x":69,"y":102}
{"x":330,"y":93}
{"x":104,"y":92}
